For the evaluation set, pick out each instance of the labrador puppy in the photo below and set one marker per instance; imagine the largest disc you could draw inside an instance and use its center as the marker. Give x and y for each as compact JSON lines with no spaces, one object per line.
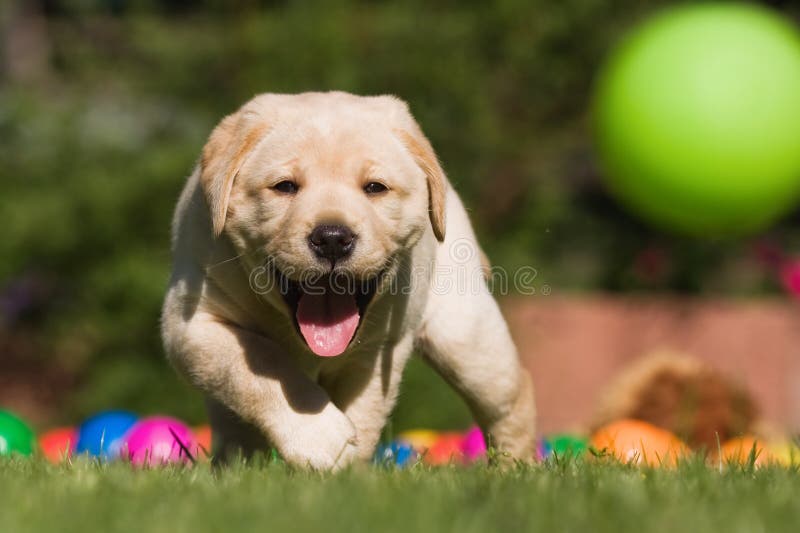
{"x":316,"y":245}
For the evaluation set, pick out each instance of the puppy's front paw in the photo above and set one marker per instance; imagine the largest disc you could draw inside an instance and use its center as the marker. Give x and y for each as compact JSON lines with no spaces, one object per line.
{"x":325,"y":441}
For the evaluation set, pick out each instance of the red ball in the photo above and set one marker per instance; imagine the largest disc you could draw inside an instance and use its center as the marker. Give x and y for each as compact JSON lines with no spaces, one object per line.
{"x":446,"y":449}
{"x":58,"y":444}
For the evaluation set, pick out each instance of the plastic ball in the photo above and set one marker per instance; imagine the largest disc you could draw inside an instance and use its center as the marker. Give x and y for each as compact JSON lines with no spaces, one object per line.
{"x":473,"y":444}
{"x":543,"y":450}
{"x":697,"y":119}
{"x":786,"y":453}
{"x":160,"y":440}
{"x":101,"y":435}
{"x":15,"y":435}
{"x":446,"y":449}
{"x":567,"y":445}
{"x":395,"y":453}
{"x":58,"y":444}
{"x":740,"y":449}
{"x":419,"y":439}
{"x":634,"y":441}
{"x":203,"y":436}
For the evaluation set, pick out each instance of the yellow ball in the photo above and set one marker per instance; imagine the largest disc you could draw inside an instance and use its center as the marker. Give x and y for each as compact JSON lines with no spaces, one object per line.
{"x":419,"y":439}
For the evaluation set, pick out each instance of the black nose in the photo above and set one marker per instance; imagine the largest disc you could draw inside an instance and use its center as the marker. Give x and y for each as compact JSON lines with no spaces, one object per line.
{"x":332,"y":242}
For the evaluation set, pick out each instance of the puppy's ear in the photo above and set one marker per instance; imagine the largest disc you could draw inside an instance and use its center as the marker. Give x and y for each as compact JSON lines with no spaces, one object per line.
{"x":223,"y":155}
{"x":423,"y":154}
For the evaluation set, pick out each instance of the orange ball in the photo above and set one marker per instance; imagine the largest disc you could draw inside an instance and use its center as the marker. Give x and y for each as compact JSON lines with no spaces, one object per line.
{"x":738,"y":449}
{"x":202,"y":435}
{"x":639,"y":442}
{"x":58,"y":444}
{"x":446,"y":449}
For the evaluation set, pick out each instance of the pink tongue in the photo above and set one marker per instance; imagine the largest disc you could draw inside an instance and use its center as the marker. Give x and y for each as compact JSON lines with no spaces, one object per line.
{"x":327,"y":321}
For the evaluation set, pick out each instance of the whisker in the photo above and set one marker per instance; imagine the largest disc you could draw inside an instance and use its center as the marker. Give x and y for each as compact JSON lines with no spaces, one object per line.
{"x":225,"y":261}
{"x":234,"y":258}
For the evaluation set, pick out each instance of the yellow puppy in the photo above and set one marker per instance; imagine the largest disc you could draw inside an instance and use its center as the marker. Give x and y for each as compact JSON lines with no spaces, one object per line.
{"x":315,"y":245}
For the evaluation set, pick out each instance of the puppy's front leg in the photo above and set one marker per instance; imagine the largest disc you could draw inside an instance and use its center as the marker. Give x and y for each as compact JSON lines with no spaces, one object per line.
{"x":252,"y":377}
{"x":366,"y":390}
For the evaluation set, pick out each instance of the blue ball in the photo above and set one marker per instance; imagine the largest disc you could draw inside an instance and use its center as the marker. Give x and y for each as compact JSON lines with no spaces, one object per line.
{"x":544,"y":449}
{"x":101,"y":435}
{"x":396,"y":453}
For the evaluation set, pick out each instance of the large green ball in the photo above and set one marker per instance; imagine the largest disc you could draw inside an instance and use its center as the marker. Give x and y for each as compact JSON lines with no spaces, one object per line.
{"x":697,"y":119}
{"x":15,"y":435}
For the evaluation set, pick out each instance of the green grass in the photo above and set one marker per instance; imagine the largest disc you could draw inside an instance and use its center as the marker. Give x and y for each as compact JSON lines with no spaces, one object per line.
{"x":563,"y":496}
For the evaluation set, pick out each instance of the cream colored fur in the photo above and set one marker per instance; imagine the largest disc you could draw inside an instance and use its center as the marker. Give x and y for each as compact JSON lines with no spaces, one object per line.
{"x":235,"y":339}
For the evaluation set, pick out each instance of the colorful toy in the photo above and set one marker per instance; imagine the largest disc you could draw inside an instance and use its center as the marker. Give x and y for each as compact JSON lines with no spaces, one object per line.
{"x":395,"y":453}
{"x":697,"y":118}
{"x":101,"y":435}
{"x":446,"y":449}
{"x":203,"y":436}
{"x":473,"y":445}
{"x":567,"y":445}
{"x":159,"y":440}
{"x":639,"y":442}
{"x":58,"y":444}
{"x":15,"y":435}
{"x":739,"y":450}
{"x":419,"y":439}
{"x":786,"y":452}
{"x":543,"y":450}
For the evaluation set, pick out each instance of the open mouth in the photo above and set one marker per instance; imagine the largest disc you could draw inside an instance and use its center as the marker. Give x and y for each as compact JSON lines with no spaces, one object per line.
{"x":327,"y":311}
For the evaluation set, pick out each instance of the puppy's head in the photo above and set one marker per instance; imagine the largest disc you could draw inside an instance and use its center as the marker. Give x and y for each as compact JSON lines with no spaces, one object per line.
{"x":327,"y":190}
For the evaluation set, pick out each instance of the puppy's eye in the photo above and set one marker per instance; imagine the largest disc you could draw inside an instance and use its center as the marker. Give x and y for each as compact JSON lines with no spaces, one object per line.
{"x":373,"y":187}
{"x":286,"y":187}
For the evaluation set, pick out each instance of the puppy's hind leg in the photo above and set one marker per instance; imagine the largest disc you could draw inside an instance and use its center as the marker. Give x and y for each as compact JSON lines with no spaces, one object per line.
{"x":468,"y":344}
{"x":465,"y":338}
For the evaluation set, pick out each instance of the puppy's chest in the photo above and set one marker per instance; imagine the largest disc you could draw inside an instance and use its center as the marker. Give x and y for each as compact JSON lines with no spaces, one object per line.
{"x":358,"y":359}
{"x":316,"y":367}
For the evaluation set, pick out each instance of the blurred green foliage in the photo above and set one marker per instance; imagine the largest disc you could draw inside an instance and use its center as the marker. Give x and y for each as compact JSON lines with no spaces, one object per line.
{"x":105,"y":105}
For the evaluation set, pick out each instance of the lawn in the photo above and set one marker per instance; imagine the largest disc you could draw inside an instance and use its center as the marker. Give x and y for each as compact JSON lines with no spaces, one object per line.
{"x":554,"y":496}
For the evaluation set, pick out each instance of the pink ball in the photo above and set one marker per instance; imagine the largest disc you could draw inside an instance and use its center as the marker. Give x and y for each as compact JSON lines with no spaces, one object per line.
{"x":159,"y":440}
{"x":473,"y":446}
